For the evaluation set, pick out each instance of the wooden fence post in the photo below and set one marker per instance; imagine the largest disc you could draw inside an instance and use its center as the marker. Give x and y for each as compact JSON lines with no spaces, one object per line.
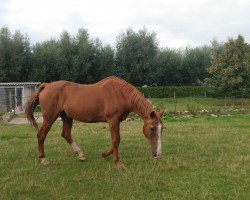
{"x":175,"y":102}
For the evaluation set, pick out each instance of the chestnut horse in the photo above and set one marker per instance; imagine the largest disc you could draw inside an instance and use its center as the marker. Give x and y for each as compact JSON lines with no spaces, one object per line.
{"x":109,"y":100}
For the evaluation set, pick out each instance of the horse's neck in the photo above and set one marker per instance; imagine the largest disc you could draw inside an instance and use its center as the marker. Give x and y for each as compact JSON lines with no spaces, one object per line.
{"x":142,"y":108}
{"x":137,"y":103}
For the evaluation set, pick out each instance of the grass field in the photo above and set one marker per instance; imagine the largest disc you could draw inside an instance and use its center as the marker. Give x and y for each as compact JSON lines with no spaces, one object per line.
{"x":204,"y":158}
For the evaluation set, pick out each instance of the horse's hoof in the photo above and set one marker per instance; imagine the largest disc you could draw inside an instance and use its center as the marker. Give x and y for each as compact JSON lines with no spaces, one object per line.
{"x":81,"y":158}
{"x":45,"y":161}
{"x":119,"y":165}
{"x":40,"y":154}
{"x":104,"y":154}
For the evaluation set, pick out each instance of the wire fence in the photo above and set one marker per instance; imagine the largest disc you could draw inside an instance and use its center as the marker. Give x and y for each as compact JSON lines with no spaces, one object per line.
{"x":226,"y":101}
{"x":14,"y":99}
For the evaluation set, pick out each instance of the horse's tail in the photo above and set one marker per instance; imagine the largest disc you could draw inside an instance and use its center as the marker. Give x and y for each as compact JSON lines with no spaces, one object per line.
{"x":31,"y":105}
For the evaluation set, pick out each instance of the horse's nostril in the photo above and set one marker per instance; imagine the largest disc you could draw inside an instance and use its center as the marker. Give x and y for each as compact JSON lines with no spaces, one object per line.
{"x":154,"y":154}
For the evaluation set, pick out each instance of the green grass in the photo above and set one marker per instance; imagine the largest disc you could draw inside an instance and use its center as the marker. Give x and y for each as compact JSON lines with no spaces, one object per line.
{"x":204,"y":158}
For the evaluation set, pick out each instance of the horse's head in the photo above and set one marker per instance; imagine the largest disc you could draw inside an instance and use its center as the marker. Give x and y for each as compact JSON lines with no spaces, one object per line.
{"x":152,"y":130}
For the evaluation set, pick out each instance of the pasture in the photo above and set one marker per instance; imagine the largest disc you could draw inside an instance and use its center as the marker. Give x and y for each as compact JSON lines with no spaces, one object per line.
{"x":203,"y":158}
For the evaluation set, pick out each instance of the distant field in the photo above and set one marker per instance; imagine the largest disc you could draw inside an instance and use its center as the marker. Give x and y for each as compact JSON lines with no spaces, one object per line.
{"x":204,"y":158}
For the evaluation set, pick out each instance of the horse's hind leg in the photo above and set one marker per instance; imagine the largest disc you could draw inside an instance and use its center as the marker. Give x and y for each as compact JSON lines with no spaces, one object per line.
{"x":41,"y":136}
{"x":66,"y":134}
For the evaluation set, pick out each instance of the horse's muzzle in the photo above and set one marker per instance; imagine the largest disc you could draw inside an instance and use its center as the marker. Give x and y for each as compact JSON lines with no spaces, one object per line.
{"x":155,"y":155}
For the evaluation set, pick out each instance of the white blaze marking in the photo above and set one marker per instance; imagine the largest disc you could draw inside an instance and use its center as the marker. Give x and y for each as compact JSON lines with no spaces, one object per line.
{"x":159,"y":127}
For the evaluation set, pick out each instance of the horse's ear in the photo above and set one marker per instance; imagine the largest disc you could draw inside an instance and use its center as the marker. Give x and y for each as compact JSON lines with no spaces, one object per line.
{"x":162,"y":111}
{"x":152,"y":114}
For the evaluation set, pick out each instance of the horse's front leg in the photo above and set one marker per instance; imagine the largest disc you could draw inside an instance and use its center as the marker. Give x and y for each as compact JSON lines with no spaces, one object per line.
{"x":115,"y":138}
{"x":107,"y":153}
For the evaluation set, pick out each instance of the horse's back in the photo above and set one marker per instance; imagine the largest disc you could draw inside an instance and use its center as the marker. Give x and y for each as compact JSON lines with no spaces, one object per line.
{"x":84,"y":102}
{"x":59,"y":84}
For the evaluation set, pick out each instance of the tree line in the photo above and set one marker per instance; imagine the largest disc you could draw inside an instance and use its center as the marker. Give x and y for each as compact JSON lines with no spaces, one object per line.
{"x":136,"y":57}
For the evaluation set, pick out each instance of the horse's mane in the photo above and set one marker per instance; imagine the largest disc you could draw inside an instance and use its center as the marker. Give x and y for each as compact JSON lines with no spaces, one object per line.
{"x":139,"y":103}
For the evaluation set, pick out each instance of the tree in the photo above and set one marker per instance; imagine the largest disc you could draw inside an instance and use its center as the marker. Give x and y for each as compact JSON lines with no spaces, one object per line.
{"x":194,"y":64}
{"x":107,"y":61}
{"x":67,"y":52}
{"x":168,"y":66}
{"x":15,"y":56}
{"x":230,"y":68}
{"x":46,"y":58}
{"x":136,"y":56}
{"x":216,"y":47}
{"x":5,"y":54}
{"x":21,"y":56}
{"x":87,"y":58}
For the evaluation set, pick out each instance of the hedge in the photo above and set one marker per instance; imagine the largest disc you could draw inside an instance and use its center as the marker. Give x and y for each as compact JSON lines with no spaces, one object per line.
{"x":185,"y":91}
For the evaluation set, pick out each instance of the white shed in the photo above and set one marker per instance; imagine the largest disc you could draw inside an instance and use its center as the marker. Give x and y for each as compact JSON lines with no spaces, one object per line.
{"x":13,"y":96}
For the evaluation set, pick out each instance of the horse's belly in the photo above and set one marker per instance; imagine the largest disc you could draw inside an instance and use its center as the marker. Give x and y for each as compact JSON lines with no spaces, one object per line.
{"x":92,"y":119}
{"x":86,"y":114}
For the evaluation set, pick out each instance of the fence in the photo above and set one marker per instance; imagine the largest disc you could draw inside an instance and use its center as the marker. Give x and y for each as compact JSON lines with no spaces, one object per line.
{"x":202,"y":106}
{"x":14,"y":98}
{"x":227,"y":101}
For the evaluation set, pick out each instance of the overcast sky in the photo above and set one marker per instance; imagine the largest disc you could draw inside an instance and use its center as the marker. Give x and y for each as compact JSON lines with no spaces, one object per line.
{"x":178,"y":23}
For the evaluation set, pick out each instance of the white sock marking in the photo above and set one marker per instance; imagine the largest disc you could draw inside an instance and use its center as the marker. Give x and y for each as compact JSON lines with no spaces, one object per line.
{"x":75,"y":148}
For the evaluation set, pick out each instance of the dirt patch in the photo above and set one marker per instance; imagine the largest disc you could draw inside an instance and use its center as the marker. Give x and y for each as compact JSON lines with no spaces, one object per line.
{"x":22,"y":120}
